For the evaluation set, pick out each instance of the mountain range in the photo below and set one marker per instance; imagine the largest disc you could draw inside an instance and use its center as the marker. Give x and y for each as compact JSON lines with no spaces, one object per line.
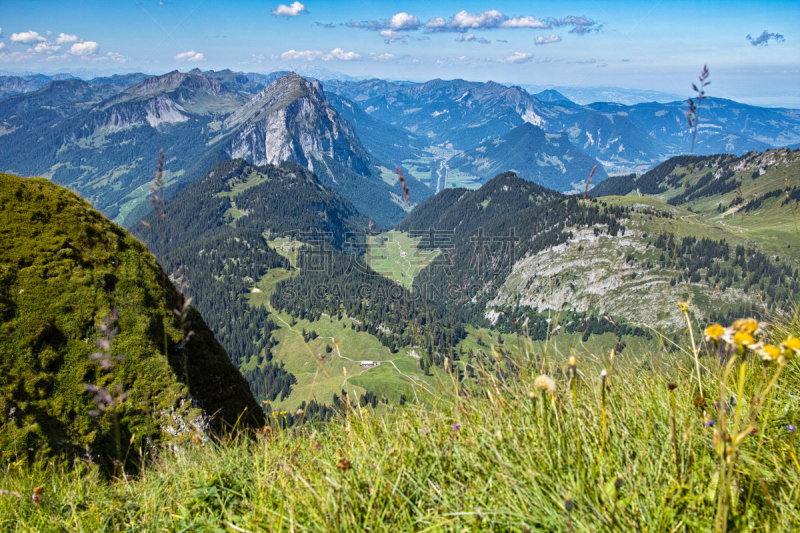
{"x":100,"y":137}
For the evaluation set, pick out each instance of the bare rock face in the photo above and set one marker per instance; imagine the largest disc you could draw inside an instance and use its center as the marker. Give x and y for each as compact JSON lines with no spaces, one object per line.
{"x":289,"y":121}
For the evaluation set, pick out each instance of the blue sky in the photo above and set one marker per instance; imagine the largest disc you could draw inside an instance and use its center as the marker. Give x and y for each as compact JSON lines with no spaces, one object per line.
{"x":750,"y":47}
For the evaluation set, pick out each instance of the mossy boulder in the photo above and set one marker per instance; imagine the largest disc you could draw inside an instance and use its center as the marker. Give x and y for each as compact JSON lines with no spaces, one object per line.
{"x":64,"y":268}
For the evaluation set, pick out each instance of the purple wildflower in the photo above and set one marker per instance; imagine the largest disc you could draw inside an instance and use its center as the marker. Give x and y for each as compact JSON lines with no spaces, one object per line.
{"x":458,"y":426}
{"x":710,"y":423}
{"x":791,"y":428}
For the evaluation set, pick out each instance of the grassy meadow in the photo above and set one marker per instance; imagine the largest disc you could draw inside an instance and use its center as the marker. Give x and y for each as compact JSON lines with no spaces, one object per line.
{"x":602,"y":444}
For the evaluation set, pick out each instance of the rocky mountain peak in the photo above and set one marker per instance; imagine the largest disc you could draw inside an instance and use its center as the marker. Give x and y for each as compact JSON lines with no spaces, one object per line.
{"x":281,"y":93}
{"x":191,"y":81}
{"x":291,"y":120}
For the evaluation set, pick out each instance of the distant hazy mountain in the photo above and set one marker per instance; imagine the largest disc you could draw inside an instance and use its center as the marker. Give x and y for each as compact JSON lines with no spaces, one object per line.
{"x":456,"y":113}
{"x":318,"y":73}
{"x":266,"y":79}
{"x":548,"y":159}
{"x":554,"y":97}
{"x":120,"y":80}
{"x":623,"y":137}
{"x":236,"y":81}
{"x":10,"y":85}
{"x":588,"y":95}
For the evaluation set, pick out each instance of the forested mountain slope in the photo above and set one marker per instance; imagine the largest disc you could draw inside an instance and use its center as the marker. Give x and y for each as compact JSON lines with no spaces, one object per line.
{"x":216,"y":234}
{"x":464,"y":212}
{"x":627,"y":258}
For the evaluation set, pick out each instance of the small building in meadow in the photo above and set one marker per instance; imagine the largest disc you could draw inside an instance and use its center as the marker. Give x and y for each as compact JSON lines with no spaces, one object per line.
{"x":370,"y":363}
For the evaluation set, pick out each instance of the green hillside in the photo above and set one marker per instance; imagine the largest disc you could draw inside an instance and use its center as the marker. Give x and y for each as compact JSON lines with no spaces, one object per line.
{"x":64,"y":269}
{"x":618,"y":264}
{"x":754,"y":196}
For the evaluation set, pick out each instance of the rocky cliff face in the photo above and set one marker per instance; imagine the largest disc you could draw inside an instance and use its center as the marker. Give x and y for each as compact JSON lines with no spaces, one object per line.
{"x":289,"y":121}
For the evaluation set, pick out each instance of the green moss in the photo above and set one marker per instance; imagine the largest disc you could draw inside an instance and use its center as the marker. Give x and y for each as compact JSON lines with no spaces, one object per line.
{"x":63,"y":268}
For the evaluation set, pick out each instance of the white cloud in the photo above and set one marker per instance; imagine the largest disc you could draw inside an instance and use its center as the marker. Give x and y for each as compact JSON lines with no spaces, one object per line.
{"x":371,"y":25}
{"x":46,"y":47}
{"x":547,"y":40}
{"x":573,"y":21}
{"x":2,"y":45}
{"x":27,"y":37}
{"x":191,"y":55}
{"x":389,"y":28}
{"x":391,"y":35}
{"x":450,"y":60}
{"x":119,"y":58}
{"x":487,"y":20}
{"x":313,"y":55}
{"x":403,"y":21}
{"x":470,"y":37}
{"x":16,"y":56}
{"x":338,"y":53}
{"x":64,"y":38}
{"x":524,"y":22}
{"x":308,"y":55}
{"x":84,"y":49}
{"x":382,"y":57}
{"x":464,"y":20}
{"x":259,"y":58}
{"x":517,"y":57}
{"x":292,"y":10}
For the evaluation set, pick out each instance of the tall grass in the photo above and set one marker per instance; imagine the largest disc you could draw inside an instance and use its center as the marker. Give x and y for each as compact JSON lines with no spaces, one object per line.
{"x":634,"y":450}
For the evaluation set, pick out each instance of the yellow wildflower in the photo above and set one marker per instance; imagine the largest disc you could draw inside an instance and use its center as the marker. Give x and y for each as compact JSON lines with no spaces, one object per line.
{"x":769,"y":352}
{"x":684,"y":306}
{"x":792,"y":344}
{"x":750,"y":325}
{"x":714,"y":333}
{"x":744,"y":338}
